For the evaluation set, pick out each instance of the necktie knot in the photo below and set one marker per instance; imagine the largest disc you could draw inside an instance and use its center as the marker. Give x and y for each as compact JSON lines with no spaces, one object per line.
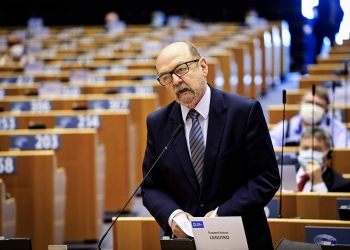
{"x":193,"y":114}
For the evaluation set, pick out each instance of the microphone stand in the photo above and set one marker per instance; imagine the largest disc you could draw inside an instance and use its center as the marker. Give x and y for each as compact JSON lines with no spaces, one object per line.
{"x":281,"y":178}
{"x":346,"y":75}
{"x":177,"y":131}
{"x":312,"y":140}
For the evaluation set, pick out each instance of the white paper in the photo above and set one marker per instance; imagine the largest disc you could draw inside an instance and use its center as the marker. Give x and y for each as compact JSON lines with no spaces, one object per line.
{"x":214,"y":213}
{"x":184,"y":224}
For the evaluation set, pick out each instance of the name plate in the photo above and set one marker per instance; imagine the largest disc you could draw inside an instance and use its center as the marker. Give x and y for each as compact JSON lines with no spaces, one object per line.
{"x":8,"y":123}
{"x":52,"y":69}
{"x":96,"y":79}
{"x":32,"y":106}
{"x":135,"y":89}
{"x":8,"y":165}
{"x":80,"y":121}
{"x":272,"y":208}
{"x":112,"y":104}
{"x":34,"y":67}
{"x":49,"y":89}
{"x":71,"y":91}
{"x":25,"y":80}
{"x":36,"y":142}
{"x":21,"y":80}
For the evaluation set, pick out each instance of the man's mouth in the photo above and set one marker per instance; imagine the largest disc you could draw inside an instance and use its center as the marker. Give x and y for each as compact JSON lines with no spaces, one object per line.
{"x":183,"y":90}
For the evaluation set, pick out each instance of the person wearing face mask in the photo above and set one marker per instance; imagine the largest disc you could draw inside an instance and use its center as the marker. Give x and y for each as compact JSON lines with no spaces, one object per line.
{"x":309,"y":115}
{"x":15,"y":52}
{"x":313,"y":159}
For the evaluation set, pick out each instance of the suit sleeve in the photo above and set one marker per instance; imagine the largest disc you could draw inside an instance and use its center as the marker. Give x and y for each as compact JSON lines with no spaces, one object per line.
{"x":263,"y":176}
{"x":155,"y":197}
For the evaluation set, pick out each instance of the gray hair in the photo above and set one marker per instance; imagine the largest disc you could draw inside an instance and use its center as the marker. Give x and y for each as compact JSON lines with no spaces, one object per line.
{"x":320,"y":92}
{"x":319,"y":134}
{"x":193,"y":50}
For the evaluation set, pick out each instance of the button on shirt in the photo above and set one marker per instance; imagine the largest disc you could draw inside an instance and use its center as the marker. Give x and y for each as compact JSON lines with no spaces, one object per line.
{"x":203,"y":109}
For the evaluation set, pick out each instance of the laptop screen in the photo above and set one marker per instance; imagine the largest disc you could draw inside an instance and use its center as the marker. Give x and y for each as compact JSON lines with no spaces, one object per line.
{"x":289,"y":182}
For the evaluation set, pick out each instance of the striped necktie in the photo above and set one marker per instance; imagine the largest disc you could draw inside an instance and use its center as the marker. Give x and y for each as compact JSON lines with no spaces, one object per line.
{"x":196,"y":144}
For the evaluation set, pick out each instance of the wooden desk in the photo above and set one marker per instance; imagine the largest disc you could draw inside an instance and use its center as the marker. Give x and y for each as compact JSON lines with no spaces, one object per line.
{"x":275,"y":112}
{"x":322,"y":206}
{"x":130,"y":74}
{"x":324,"y":69}
{"x":83,"y":160}
{"x":306,"y":82}
{"x":116,"y":133}
{"x":332,"y":58}
{"x":39,"y":189}
{"x":140,"y":105}
{"x":8,"y":213}
{"x":294,"y":229}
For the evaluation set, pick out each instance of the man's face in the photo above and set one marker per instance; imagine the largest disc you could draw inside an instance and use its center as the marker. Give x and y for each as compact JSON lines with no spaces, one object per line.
{"x":189,"y":88}
{"x":319,"y":144}
{"x":318,"y":100}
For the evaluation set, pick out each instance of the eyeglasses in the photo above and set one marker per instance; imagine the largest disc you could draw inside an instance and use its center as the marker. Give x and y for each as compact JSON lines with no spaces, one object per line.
{"x":180,"y":70}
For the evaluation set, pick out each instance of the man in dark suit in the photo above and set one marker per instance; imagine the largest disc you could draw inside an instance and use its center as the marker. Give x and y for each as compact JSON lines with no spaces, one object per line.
{"x":237,"y":173}
{"x":313,"y":164}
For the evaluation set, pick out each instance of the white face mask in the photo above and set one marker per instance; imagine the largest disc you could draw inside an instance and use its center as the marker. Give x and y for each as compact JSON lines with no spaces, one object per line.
{"x":17,"y":50}
{"x":305,"y":156}
{"x":306,"y":111}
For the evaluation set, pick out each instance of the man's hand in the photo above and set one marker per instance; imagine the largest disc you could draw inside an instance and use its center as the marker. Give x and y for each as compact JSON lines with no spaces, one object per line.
{"x":317,"y":169}
{"x":175,"y":227}
{"x":210,"y":213}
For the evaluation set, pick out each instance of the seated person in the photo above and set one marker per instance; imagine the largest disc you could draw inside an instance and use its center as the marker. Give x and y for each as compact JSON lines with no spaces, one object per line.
{"x":297,"y":124}
{"x":15,"y":52}
{"x":313,"y":161}
{"x":113,"y":22}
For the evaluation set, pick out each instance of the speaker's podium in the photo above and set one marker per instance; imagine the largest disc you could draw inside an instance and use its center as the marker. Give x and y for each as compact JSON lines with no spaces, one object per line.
{"x":166,"y":243}
{"x":206,"y":233}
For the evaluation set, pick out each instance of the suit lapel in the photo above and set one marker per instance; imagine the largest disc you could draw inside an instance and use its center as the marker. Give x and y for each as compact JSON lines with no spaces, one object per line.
{"x":180,"y":146}
{"x":216,"y":126}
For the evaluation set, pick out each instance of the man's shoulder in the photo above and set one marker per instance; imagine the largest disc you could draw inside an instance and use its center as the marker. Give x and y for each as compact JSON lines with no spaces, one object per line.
{"x":164,"y":111}
{"x":231,"y":98}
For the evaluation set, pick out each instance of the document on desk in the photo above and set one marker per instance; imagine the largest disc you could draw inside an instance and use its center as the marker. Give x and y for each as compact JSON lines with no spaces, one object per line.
{"x":185,"y":224}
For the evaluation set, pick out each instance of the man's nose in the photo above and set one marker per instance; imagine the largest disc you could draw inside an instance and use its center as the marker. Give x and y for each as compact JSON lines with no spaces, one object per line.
{"x":176,"y":79}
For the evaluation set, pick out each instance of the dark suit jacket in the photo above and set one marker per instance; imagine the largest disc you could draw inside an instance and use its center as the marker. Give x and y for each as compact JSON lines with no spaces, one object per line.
{"x":240,"y":173}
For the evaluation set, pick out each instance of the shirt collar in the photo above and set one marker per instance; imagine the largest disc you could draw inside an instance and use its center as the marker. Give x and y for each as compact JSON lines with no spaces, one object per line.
{"x":202,"y":107}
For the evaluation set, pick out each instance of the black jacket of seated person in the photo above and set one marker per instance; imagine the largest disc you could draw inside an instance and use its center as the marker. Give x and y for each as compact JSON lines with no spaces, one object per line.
{"x":335,"y":182}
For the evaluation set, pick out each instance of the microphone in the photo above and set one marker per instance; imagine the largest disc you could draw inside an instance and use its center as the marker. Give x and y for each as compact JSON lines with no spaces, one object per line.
{"x":312,"y":132}
{"x":177,"y":131}
{"x":283,"y":118}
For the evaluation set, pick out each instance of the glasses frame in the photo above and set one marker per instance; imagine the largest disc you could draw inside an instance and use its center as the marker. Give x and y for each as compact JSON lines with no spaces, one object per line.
{"x":173,"y":72}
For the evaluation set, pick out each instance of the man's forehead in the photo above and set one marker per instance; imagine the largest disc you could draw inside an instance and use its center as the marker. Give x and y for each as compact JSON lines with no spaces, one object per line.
{"x":308,"y":97}
{"x":308,"y":141}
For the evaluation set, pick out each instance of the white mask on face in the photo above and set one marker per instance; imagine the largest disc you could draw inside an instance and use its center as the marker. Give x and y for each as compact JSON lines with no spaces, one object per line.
{"x":17,"y":50}
{"x":306,"y":155}
{"x":306,"y":111}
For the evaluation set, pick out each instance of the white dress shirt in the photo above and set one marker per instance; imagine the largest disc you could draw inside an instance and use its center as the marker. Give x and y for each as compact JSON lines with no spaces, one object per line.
{"x":319,"y":188}
{"x":203,"y":109}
